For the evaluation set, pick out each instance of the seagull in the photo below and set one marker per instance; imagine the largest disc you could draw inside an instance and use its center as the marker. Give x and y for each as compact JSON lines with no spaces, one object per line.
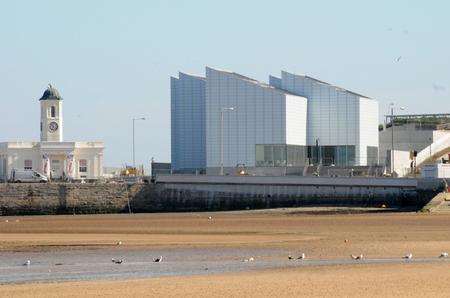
{"x":251,"y":259}
{"x":209,"y":217}
{"x":302,"y":256}
{"x":158,"y":260}
{"x":408,"y":256}
{"x":398,"y":58}
{"x":119,"y":243}
{"x":444,"y":255}
{"x":290,"y":257}
{"x":360,"y":257}
{"x":27,"y":263}
{"x":118,"y":261}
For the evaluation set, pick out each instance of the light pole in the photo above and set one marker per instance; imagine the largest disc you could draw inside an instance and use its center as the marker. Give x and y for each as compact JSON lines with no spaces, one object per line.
{"x":392,"y":105}
{"x":431,"y":142}
{"x":222,"y":111}
{"x":134,"y":153}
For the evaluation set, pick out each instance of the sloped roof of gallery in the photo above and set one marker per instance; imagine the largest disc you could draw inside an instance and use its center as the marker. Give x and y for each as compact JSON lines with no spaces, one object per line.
{"x":51,"y":93}
{"x":181,"y":74}
{"x":324,"y":83}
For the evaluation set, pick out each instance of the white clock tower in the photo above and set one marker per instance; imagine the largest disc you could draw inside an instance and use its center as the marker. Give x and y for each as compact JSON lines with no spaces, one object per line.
{"x":51,"y":116}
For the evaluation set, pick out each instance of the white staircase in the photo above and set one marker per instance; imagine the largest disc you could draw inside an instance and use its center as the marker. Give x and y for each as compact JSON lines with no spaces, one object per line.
{"x":434,"y":151}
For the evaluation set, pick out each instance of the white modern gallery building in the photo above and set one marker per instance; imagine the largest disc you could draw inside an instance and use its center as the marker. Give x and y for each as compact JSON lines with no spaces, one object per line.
{"x":228,"y":119}
{"x":52,"y":156}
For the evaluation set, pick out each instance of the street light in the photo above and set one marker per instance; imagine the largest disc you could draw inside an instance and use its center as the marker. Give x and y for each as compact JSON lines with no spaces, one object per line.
{"x":392,"y":105}
{"x":223,"y":111}
{"x":134,"y":153}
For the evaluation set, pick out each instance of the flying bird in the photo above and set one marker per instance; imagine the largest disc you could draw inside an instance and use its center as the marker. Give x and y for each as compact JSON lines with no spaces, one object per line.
{"x":398,"y":59}
{"x":438,"y":88}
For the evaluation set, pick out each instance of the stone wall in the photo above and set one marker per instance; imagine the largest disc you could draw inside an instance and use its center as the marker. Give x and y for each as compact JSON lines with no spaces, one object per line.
{"x":62,"y":198}
{"x":71,"y":198}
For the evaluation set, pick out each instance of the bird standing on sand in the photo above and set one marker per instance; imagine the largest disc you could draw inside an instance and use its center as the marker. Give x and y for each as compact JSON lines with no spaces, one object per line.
{"x":117,"y":261}
{"x":290,"y":257}
{"x":443,"y":255}
{"x":408,"y":256}
{"x":360,"y":257}
{"x":119,"y":243}
{"x":209,"y":217}
{"x":27,"y":263}
{"x":158,"y":260}
{"x":302,"y":256}
{"x":251,"y":259}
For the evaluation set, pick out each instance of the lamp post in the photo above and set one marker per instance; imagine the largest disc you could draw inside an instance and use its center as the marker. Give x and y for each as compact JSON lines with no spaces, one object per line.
{"x":392,"y":105}
{"x":431,"y":143}
{"x":222,"y":112}
{"x":134,"y":153}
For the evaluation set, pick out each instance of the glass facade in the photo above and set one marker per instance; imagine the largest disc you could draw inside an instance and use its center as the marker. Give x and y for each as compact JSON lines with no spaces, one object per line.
{"x":332,"y":155}
{"x":279,"y":155}
{"x":372,"y":156}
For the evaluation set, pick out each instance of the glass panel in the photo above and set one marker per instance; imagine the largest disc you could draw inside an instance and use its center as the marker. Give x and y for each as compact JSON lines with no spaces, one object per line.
{"x":259,"y":155}
{"x":279,"y":155}
{"x":372,"y":155}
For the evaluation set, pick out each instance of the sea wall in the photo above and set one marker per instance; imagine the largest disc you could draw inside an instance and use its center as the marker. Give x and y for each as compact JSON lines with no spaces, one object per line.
{"x":175,"y":194}
{"x":62,"y":198}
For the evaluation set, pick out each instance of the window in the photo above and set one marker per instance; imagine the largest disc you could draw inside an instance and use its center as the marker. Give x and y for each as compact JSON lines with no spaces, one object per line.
{"x":275,"y":155}
{"x":83,"y":166}
{"x":28,"y":164}
{"x":372,"y":155}
{"x":53,"y":112}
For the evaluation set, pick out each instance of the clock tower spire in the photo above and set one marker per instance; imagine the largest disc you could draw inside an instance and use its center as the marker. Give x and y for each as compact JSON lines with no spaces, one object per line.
{"x":51,"y":115}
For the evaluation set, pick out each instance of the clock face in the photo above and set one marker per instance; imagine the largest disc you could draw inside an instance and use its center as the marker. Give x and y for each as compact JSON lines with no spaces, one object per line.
{"x":53,"y":126}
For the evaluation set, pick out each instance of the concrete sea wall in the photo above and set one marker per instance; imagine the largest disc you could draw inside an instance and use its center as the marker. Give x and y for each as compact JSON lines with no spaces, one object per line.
{"x":203,"y":193}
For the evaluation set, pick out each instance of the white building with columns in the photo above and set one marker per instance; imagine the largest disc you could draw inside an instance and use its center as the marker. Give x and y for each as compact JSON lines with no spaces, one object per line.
{"x":53,"y":156}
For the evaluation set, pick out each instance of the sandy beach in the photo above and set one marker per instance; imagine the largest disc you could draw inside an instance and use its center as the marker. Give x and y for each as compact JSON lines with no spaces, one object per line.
{"x":219,"y":244}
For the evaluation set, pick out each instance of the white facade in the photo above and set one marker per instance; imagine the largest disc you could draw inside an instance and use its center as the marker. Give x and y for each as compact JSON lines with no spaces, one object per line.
{"x":262,"y":115}
{"x":336,"y":118}
{"x":188,"y":148}
{"x":294,"y":120}
{"x":52,"y":156}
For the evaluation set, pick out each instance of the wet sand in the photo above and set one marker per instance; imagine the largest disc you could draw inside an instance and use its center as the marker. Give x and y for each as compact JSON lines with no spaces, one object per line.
{"x":400,"y":280}
{"x":193,"y":242}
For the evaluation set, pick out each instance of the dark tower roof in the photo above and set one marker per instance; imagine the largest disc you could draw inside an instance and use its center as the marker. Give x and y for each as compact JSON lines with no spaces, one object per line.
{"x":51,"y":93}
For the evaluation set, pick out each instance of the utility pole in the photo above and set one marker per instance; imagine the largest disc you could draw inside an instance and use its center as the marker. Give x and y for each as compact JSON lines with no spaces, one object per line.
{"x":392,"y":145}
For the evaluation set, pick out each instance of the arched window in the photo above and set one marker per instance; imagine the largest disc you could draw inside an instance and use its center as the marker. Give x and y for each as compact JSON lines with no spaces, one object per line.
{"x":53,"y":112}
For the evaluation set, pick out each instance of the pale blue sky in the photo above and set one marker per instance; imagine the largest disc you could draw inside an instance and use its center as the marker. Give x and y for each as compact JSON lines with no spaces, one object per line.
{"x":111,"y":60}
